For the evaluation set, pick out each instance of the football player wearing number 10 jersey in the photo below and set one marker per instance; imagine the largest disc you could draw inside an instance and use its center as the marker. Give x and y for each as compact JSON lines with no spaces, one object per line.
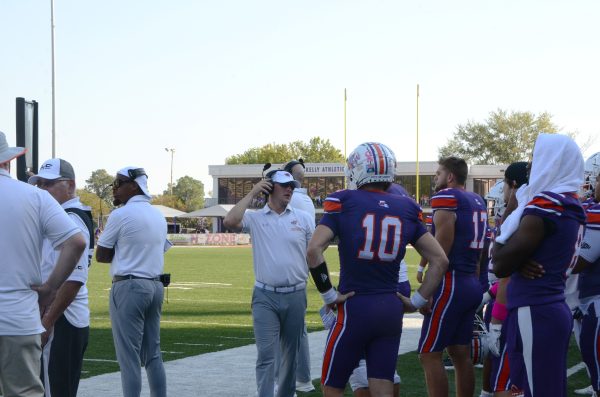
{"x":459,"y":225}
{"x":373,"y":227}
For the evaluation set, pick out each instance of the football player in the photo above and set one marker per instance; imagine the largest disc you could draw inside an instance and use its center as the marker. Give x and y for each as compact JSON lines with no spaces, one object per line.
{"x":459,"y":224}
{"x":588,"y":267}
{"x":374,"y":228}
{"x":545,"y":229}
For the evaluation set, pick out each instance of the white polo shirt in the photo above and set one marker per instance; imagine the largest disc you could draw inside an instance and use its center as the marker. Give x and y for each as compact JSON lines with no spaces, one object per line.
{"x":279,"y":243}
{"x":301,"y":201}
{"x":78,"y":312}
{"x":137,"y":231}
{"x":28,"y":215}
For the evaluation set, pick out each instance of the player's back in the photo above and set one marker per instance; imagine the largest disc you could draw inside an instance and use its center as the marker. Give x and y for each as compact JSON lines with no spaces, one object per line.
{"x":469,"y":228}
{"x":563,"y":219}
{"x":373,"y":229}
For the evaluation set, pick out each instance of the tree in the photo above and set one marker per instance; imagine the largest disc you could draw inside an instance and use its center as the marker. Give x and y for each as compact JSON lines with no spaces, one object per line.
{"x":502,"y":139}
{"x":316,"y":150}
{"x":99,"y":183}
{"x":188,"y":195}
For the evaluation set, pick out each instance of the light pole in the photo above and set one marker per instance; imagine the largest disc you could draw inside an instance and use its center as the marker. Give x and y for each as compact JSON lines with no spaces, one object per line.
{"x":171,"y":184}
{"x":53,"y":82}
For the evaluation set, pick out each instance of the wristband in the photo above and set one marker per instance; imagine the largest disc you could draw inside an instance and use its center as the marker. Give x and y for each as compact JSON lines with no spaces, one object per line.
{"x":417,"y":300}
{"x":321,"y":278}
{"x":499,"y":311}
{"x":330,"y":296}
{"x":420,"y":269}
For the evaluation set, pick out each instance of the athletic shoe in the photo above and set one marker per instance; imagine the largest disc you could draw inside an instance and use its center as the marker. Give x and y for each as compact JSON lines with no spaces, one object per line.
{"x":304,"y":386}
{"x":586,"y":391}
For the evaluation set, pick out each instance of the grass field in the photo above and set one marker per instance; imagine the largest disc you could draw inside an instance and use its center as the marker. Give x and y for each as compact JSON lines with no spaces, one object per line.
{"x":208,"y":309}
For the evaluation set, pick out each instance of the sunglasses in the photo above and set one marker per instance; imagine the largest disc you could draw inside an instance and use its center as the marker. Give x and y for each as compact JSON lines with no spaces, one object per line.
{"x":287,"y":184}
{"x":47,"y":183}
{"x":117,"y":183}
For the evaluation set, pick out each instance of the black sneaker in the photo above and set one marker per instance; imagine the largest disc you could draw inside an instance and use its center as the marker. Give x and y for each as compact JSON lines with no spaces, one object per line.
{"x":448,"y":363}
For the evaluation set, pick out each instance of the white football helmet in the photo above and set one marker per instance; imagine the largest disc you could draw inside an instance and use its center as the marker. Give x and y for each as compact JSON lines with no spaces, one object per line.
{"x":370,"y":162}
{"x":591,"y":170}
{"x":479,"y":349}
{"x":495,"y":198}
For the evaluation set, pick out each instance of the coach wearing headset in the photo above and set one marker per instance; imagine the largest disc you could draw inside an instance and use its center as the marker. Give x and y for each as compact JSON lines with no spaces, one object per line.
{"x":280,"y":236}
{"x":134,"y":242}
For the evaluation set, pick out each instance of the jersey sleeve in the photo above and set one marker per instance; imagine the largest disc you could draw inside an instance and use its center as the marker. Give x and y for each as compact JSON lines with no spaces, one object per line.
{"x":80,"y":272}
{"x":420,"y":228}
{"x":593,"y":217}
{"x":444,"y":200}
{"x":111,"y":231}
{"x":545,"y":206}
{"x":332,"y":210}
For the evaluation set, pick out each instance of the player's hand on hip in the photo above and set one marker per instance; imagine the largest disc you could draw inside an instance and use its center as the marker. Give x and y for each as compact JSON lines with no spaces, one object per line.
{"x":420,"y":277}
{"x":532,"y":270}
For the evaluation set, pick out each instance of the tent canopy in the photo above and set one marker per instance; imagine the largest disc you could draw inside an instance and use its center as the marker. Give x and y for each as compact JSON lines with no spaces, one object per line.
{"x":216,"y":210}
{"x":168,"y":212}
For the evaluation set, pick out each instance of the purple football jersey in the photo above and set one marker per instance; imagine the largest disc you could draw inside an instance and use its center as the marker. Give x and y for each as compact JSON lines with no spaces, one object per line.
{"x":589,"y":278}
{"x":374,"y":229}
{"x":556,"y":253}
{"x":469,"y":229}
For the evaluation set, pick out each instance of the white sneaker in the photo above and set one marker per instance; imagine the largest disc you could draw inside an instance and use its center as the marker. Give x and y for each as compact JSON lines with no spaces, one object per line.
{"x":586,"y":391}
{"x":304,"y":386}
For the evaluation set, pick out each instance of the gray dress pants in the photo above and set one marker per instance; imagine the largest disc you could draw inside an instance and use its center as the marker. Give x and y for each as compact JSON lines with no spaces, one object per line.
{"x":278,"y":319}
{"x":135,"y":307}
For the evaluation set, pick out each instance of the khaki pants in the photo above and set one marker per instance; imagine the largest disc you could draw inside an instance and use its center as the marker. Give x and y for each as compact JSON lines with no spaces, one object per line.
{"x":20,"y":366}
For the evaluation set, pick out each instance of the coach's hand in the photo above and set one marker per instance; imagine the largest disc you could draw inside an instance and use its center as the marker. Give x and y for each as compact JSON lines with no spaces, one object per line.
{"x":532,"y":270}
{"x":341,"y":298}
{"x":46,"y":295}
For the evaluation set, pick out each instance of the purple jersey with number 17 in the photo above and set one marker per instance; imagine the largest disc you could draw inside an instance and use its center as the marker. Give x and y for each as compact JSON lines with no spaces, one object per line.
{"x":373,"y":229}
{"x":469,"y":229}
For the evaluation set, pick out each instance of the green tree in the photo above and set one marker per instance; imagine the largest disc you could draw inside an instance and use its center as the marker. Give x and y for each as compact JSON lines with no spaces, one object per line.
{"x":502,"y":139}
{"x":317,"y":150}
{"x":99,"y":183}
{"x":188,"y":192}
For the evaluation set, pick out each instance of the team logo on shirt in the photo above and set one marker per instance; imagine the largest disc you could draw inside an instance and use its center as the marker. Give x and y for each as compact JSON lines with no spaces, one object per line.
{"x":294,"y":222}
{"x":383,"y":204}
{"x":585,"y":246}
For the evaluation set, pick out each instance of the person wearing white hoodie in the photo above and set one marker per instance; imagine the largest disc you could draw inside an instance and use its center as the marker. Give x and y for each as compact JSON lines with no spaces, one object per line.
{"x":544,"y":230}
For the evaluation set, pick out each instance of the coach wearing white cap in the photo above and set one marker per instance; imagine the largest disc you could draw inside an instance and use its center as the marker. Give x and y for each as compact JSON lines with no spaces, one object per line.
{"x":69,"y":314}
{"x":134,"y":241}
{"x":27,"y":217}
{"x":280,"y":236}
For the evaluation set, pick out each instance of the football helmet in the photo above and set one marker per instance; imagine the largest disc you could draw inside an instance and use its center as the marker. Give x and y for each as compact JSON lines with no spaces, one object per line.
{"x":370,"y":162}
{"x":591,"y":169}
{"x":495,"y":199}
{"x":479,"y":350}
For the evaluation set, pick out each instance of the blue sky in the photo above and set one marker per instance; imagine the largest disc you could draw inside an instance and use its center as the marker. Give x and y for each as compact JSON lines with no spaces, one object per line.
{"x":212,"y":79}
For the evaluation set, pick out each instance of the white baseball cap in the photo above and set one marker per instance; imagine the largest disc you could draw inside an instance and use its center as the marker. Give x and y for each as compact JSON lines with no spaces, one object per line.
{"x":53,"y":169}
{"x":8,"y":153}
{"x":284,"y":178}
{"x":138,"y":175}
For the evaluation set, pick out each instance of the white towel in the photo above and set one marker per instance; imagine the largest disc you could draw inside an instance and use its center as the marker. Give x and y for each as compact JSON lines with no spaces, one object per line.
{"x":557,"y":167}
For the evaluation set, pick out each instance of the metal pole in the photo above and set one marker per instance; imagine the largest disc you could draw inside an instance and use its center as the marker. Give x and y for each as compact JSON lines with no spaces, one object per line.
{"x":53,"y":82}
{"x":417,"y":196}
{"x":171,"y":184}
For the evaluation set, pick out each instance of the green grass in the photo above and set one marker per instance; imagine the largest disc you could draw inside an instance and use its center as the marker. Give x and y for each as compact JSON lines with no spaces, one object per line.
{"x":208,"y":310}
